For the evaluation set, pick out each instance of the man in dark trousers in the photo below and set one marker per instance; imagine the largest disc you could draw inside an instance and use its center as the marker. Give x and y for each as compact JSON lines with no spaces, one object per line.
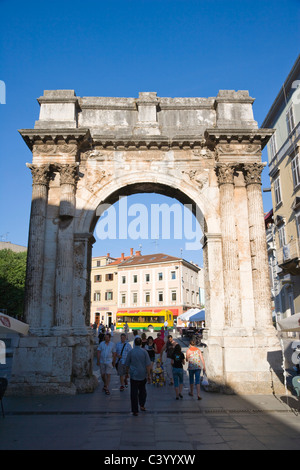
{"x":138,"y":365}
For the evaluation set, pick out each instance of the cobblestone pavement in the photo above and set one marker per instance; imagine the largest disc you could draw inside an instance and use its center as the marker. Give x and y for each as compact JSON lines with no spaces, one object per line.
{"x":98,"y":421}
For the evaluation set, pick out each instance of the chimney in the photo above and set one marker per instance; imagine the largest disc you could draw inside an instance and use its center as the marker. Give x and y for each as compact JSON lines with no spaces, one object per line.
{"x":137,"y":253}
{"x":131,"y":251}
{"x":108,"y":255}
{"x":122,"y":256}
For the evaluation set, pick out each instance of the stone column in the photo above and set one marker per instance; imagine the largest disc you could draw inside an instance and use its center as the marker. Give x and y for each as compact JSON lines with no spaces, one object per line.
{"x":258,"y":246}
{"x":232,"y":301}
{"x":36,"y":241}
{"x":83,"y":243}
{"x":65,"y":250}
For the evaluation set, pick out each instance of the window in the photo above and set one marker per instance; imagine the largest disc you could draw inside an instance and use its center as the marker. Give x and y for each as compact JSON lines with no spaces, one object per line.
{"x":135,"y":278}
{"x":173,"y":274}
{"x":98,"y":264}
{"x":108,"y":295}
{"x":134,"y":297}
{"x":98,"y":278}
{"x":298,"y":223}
{"x":277,"y":190}
{"x":281,"y":235}
{"x":109,"y":277}
{"x":160,"y":296}
{"x":296,"y":170}
{"x":123,"y":299}
{"x":147,"y":277}
{"x":290,"y":121}
{"x":160,"y":276}
{"x":273,"y":146}
{"x":147,"y":297}
{"x":123,"y":279}
{"x":97,"y":296}
{"x":173,"y":296}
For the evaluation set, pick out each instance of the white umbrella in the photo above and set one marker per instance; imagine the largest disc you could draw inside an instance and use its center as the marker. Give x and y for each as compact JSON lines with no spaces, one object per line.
{"x":291,"y":323}
{"x":10,"y":324}
{"x":186,"y":315}
{"x":198,"y":316}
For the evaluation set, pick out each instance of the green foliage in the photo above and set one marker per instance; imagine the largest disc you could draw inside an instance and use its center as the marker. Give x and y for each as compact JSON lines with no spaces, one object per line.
{"x":12,"y":281}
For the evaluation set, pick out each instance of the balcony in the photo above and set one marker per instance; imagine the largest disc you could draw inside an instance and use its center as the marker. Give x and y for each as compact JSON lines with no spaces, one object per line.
{"x":288,"y":257}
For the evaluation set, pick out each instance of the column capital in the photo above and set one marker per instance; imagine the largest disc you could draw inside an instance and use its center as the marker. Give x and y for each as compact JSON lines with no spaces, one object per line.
{"x":252,"y":172}
{"x":68,"y":173}
{"x":225,"y":173}
{"x":40,"y":173}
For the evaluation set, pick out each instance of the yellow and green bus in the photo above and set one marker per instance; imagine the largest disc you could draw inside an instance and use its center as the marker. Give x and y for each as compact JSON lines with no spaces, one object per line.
{"x":151,"y":321}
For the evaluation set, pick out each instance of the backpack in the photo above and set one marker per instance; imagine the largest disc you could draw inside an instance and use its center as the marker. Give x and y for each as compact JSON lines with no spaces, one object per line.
{"x":195,"y":360}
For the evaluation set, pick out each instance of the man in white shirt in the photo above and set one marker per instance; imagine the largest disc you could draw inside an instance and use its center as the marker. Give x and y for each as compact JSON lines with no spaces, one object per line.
{"x":106,"y":358}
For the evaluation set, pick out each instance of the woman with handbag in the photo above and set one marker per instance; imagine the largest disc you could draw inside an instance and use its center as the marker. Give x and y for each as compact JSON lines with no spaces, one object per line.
{"x":195,"y":364}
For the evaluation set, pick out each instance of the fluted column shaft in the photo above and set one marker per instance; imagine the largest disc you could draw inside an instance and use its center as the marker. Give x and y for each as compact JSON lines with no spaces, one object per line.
{"x":65,"y":249}
{"x":36,"y":242}
{"x":258,"y":246}
{"x":232,"y":302}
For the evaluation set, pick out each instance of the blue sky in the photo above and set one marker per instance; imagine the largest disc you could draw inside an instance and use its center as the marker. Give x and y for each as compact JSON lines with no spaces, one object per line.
{"x":119,"y":48}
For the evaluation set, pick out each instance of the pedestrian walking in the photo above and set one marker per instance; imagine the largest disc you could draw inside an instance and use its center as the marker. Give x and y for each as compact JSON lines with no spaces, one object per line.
{"x":159,"y":344}
{"x":138,"y":365}
{"x":101,"y":332}
{"x":126,"y":329}
{"x":122,"y":349}
{"x":169,"y":348}
{"x":106,"y":358}
{"x":144,"y":340}
{"x":135,"y":335}
{"x":112,"y":329}
{"x":178,"y":361}
{"x":195,"y":364}
{"x":151,"y":349}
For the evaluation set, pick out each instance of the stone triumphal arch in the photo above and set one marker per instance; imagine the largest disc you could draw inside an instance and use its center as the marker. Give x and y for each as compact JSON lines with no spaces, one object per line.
{"x":89,"y":151}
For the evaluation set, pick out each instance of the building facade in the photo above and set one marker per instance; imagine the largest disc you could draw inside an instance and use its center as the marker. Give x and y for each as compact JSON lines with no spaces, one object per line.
{"x":157,"y":282}
{"x":143,"y":282}
{"x":284,"y":165}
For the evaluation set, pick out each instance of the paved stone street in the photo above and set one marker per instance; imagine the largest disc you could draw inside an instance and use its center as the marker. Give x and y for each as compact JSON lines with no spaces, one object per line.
{"x":97,"y":421}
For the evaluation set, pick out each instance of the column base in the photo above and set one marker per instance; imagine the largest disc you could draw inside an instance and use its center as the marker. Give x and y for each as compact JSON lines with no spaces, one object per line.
{"x":53,"y":365}
{"x":248,"y":365}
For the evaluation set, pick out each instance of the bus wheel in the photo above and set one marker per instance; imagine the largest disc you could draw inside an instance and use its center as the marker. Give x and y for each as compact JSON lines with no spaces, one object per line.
{"x":150,"y":328}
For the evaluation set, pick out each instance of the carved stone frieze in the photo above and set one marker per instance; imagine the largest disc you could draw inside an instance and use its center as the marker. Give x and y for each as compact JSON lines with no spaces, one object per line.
{"x":198,"y":177}
{"x":248,"y":150}
{"x":204,"y":152}
{"x":54,"y":149}
{"x":94,"y":177}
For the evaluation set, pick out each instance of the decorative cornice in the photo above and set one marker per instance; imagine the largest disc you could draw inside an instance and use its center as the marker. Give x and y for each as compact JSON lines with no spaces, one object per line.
{"x":53,"y":137}
{"x":244,"y":136}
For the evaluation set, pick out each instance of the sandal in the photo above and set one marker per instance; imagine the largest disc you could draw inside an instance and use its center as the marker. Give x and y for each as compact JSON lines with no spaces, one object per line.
{"x":107,"y":392}
{"x":190,"y":394}
{"x":143,"y":408}
{"x":199,"y":398}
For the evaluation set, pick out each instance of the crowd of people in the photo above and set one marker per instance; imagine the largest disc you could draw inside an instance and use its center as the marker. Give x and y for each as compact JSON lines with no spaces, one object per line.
{"x":144,"y":359}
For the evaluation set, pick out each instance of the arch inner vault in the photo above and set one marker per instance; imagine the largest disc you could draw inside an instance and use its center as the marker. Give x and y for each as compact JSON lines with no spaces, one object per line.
{"x":87,"y":152}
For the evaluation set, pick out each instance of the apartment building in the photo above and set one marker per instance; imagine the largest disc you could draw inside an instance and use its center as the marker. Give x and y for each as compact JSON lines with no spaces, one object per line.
{"x":284,"y":167}
{"x":159,"y":281}
{"x":143,"y":282}
{"x":104,"y":285}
